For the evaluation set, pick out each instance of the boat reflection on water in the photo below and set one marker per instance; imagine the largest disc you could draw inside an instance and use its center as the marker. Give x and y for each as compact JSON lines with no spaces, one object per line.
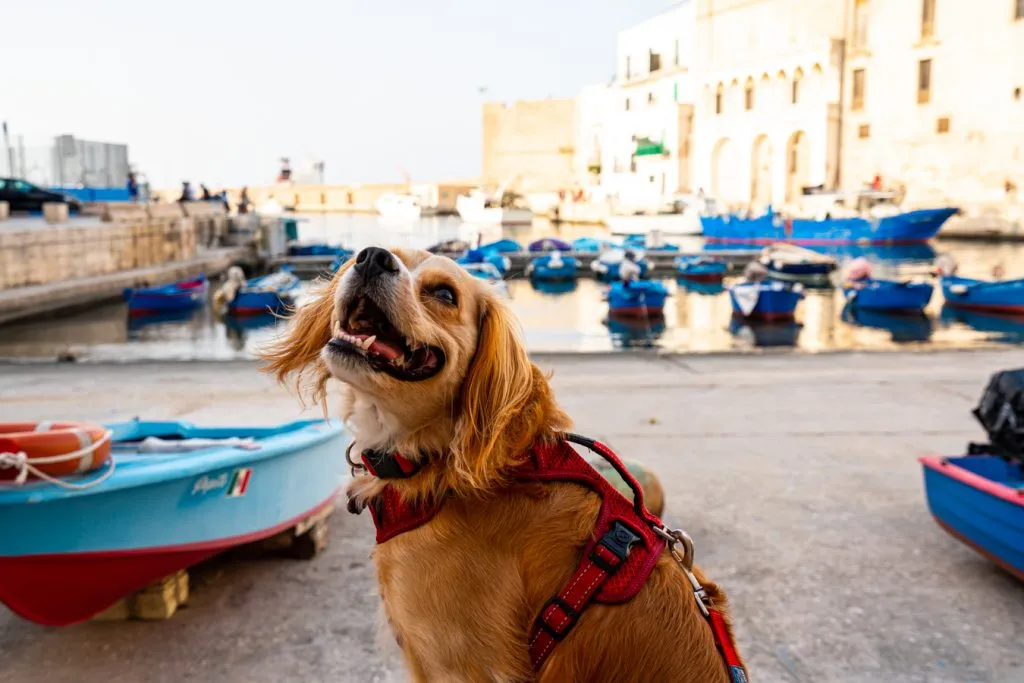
{"x":554,"y":288}
{"x":903,"y":328}
{"x":138,"y":322}
{"x":635,"y":333}
{"x":238,"y":327}
{"x":704,"y":288}
{"x":766,"y":334}
{"x":1003,"y":328}
{"x":897,"y":253}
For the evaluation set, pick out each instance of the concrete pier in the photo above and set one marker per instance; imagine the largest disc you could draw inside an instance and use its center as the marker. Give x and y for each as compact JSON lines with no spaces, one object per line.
{"x":795,"y":474}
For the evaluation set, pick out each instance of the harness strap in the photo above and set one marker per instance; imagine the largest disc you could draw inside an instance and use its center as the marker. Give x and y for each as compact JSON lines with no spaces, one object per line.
{"x":560,"y":614}
{"x":388,"y":464}
{"x":733,"y":665}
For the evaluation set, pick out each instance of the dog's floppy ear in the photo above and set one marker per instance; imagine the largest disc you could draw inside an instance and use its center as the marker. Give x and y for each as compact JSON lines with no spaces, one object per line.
{"x":296,"y":352}
{"x":500,"y":411}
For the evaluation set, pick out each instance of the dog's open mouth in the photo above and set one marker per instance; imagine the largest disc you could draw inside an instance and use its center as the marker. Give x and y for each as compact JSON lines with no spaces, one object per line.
{"x":365,"y":332}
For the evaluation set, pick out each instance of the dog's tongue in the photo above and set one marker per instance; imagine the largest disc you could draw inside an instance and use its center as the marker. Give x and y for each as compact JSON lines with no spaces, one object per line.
{"x":388,"y":351}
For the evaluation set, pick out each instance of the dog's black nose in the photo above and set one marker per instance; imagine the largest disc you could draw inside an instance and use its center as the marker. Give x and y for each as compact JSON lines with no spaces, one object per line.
{"x":373,"y":262}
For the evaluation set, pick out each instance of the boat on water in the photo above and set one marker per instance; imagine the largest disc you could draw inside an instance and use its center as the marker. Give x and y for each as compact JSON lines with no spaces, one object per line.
{"x":187,"y":295}
{"x":164,"y":496}
{"x":792,"y":262}
{"x":553,"y":267}
{"x":888,"y":295}
{"x":502,"y":246}
{"x":318,"y":249}
{"x":679,"y":216}
{"x":903,"y":228}
{"x":1000,"y":296}
{"x":700,"y":268}
{"x":640,"y":298}
{"x":398,"y":207}
{"x":765,"y":300}
{"x":476,"y":207}
{"x":484,"y":256}
{"x":266,"y":294}
{"x":653,"y":241}
{"x":593,"y":244}
{"x":549,"y":244}
{"x":977,"y":499}
{"x":606,"y":266}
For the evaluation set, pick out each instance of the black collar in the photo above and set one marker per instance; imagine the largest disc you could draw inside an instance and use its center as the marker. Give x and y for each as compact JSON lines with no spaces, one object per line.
{"x":388,"y":464}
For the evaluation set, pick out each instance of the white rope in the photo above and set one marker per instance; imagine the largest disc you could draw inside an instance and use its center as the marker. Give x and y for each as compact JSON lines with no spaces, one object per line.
{"x":21,"y":462}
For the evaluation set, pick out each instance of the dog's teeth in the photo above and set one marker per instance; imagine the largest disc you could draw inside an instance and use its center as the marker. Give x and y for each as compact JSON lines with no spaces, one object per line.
{"x":366,"y":343}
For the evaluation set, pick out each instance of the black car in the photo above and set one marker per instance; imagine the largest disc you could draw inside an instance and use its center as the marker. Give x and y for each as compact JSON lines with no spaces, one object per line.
{"x":24,"y":196}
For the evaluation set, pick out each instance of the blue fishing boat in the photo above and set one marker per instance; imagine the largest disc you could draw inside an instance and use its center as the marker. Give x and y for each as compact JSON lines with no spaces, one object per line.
{"x":593,"y":244}
{"x":700,"y":269}
{"x":319,"y":249}
{"x":642,"y":299}
{"x":606,"y":266}
{"x":903,"y":228}
{"x":768,"y":300}
{"x":549,"y":244}
{"x":169,"y":495}
{"x":553,"y":287}
{"x":492,"y":258}
{"x":270,"y":293}
{"x":888,"y":295}
{"x":712,"y":288}
{"x":791,"y":262}
{"x":504,"y":246}
{"x":179,"y":296}
{"x":1006,"y":296}
{"x":552,"y":267}
{"x":647,"y":244}
{"x":977,"y":499}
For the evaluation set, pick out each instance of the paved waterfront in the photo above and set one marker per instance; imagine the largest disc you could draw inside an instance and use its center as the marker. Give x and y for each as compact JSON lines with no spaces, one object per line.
{"x":796,"y":475}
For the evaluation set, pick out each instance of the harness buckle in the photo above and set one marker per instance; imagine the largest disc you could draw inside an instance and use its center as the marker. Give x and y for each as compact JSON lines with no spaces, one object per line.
{"x":684,"y":558}
{"x":618,"y":541}
{"x":568,"y":620}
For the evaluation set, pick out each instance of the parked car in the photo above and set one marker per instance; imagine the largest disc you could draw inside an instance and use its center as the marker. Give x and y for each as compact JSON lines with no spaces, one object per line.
{"x":24,"y":196}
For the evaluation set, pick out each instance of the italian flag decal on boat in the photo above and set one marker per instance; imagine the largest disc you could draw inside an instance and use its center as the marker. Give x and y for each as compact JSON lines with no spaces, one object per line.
{"x":239,"y":482}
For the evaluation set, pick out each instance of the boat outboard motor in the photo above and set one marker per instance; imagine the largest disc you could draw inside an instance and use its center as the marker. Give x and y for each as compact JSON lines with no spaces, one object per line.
{"x":1001,"y":413}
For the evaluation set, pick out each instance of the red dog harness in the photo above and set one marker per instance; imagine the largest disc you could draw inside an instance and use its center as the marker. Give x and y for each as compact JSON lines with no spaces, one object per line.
{"x":627,"y":542}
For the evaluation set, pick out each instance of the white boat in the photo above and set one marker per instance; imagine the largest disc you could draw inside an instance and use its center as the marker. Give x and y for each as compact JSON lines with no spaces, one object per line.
{"x":398,"y":207}
{"x":677,"y":217}
{"x":473,"y":208}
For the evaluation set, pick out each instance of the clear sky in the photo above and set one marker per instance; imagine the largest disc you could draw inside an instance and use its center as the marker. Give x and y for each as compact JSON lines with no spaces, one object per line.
{"x":216,"y":91}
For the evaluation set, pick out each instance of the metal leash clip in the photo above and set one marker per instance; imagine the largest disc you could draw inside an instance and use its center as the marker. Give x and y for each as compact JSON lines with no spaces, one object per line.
{"x":355,"y":468}
{"x":684,"y":558}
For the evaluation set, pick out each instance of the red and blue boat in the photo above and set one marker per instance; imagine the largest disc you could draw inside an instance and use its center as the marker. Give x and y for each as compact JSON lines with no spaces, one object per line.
{"x":766,"y":300}
{"x":606,"y":266}
{"x":888,"y":295}
{"x":638,"y":299}
{"x":169,"y":495}
{"x":1001,"y":296}
{"x":908,"y":227}
{"x":553,"y":267}
{"x":268,"y":294}
{"x":179,"y":296}
{"x":979,"y":500}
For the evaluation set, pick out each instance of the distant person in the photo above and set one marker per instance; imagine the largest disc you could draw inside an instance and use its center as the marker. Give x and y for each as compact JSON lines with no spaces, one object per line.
{"x":133,"y":187}
{"x":206,"y":196}
{"x":186,"y":192}
{"x":629,"y":269}
{"x":223,"y":197}
{"x":876,"y":184}
{"x":243,"y":201}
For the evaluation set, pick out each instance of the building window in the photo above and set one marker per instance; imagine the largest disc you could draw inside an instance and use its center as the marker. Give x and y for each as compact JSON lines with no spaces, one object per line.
{"x":677,"y":45}
{"x":860,"y":24}
{"x":864,"y":131}
{"x":795,"y":94}
{"x":927,"y":18}
{"x":718,"y":99}
{"x":942,"y":125}
{"x":653,"y":61}
{"x":629,"y":70}
{"x":924,"y":81}
{"x":1018,"y":9}
{"x":858,"y":89}
{"x":748,"y":95}
{"x":1016,"y":91}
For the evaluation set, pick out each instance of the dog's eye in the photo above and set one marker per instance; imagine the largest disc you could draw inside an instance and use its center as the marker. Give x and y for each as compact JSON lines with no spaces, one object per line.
{"x":444,"y":294}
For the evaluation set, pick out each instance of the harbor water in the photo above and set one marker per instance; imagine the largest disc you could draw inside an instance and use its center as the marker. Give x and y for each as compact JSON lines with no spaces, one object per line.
{"x":564,"y":317}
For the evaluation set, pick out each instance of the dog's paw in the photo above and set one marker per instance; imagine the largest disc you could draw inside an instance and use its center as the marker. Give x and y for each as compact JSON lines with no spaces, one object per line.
{"x":360,"y":490}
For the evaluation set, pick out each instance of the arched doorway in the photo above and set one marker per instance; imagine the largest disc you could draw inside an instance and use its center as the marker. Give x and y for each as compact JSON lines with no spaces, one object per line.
{"x":761,"y":172}
{"x":723,"y":170}
{"x":796,"y":165}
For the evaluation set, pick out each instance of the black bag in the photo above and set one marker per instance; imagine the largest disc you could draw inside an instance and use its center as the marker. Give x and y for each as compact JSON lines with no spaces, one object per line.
{"x":1001,"y":413}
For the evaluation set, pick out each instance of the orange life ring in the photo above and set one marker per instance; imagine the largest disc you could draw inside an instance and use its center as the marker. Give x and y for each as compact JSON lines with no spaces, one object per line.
{"x":55,"y":449}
